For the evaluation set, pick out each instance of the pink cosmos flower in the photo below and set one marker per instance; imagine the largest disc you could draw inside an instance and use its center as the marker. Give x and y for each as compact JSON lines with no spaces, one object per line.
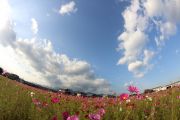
{"x":74,"y":117}
{"x":101,"y":112}
{"x":139,"y":97}
{"x":178,"y":97}
{"x":94,"y":116}
{"x":124,"y":96}
{"x":36,"y":101}
{"x":55,"y":100}
{"x":65,"y":115}
{"x":44,"y":104}
{"x":133,"y":89}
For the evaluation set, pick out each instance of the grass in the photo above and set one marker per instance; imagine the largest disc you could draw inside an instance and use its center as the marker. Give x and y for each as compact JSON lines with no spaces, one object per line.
{"x":16,"y":103}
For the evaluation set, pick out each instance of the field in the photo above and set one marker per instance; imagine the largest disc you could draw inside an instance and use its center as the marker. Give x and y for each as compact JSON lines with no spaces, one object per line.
{"x":20,"y":102}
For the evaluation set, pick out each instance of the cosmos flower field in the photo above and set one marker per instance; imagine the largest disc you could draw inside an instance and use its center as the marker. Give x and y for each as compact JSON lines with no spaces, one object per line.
{"x":22,"y":103}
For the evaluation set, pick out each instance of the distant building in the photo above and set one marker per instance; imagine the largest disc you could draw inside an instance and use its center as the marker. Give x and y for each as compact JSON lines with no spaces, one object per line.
{"x":78,"y":94}
{"x":160,"y":88}
{"x":148,"y":91}
{"x":173,"y":84}
{"x":13,"y":77}
{"x":61,"y":91}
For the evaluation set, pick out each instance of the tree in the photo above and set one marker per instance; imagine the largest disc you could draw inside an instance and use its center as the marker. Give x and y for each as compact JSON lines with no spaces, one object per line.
{"x":1,"y":71}
{"x":13,"y":76}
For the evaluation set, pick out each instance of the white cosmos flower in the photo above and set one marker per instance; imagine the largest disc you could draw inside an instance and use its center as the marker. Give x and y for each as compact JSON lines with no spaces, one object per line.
{"x":128,"y":100}
{"x":32,"y":94}
{"x":149,"y":98}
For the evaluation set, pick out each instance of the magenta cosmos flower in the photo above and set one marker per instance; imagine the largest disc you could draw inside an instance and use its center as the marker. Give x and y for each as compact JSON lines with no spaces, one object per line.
{"x":55,"y":100}
{"x":36,"y":101}
{"x":54,"y":118}
{"x":94,"y":116}
{"x":65,"y":115}
{"x":139,"y":97}
{"x":124,"y":96}
{"x":133,"y":89}
{"x":74,"y":117}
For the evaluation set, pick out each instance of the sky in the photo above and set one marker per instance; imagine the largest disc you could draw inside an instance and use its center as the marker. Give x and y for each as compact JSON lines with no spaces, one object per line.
{"x":93,"y":46}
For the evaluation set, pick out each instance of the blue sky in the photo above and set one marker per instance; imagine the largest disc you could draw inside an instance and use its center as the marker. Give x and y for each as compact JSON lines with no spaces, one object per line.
{"x":90,"y":35}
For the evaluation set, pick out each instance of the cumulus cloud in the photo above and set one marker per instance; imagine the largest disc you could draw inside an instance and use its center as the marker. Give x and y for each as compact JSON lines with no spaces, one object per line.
{"x":132,"y":43}
{"x":141,"y":18}
{"x":154,"y":7}
{"x":167,"y":9}
{"x":135,"y":66}
{"x":148,"y":55}
{"x":34,"y":26}
{"x":4,"y":13}
{"x":59,"y":69}
{"x":35,"y":60}
{"x":165,"y":15}
{"x":7,"y":33}
{"x":68,"y":8}
{"x":133,"y":39}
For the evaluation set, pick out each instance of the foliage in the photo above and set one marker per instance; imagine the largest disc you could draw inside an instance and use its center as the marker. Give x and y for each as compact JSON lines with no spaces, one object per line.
{"x":18,"y":102}
{"x":1,"y":71}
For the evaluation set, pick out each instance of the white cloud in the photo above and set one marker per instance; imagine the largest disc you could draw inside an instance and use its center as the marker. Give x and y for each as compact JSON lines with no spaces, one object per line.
{"x":166,"y":9}
{"x":34,"y":26}
{"x":130,"y":16}
{"x":133,"y":39}
{"x":36,"y":61}
{"x":165,"y":15}
{"x":140,"y":18}
{"x":171,"y":12}
{"x":139,"y":68}
{"x":154,"y":7}
{"x":148,"y":55}
{"x":135,"y":66}
{"x":4,"y":13}
{"x":68,"y":8}
{"x":167,"y":29}
{"x":137,"y":21}
{"x":132,"y":43}
{"x":7,"y":34}
{"x":57,"y":70}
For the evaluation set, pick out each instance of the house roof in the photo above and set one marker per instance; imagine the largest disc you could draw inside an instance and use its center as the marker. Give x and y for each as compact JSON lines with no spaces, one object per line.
{"x":174,"y":83}
{"x":167,"y":85}
{"x":157,"y":87}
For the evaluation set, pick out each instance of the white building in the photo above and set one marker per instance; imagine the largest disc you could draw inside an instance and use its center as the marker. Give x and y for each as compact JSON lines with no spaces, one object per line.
{"x":160,"y":88}
{"x":173,"y":84}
